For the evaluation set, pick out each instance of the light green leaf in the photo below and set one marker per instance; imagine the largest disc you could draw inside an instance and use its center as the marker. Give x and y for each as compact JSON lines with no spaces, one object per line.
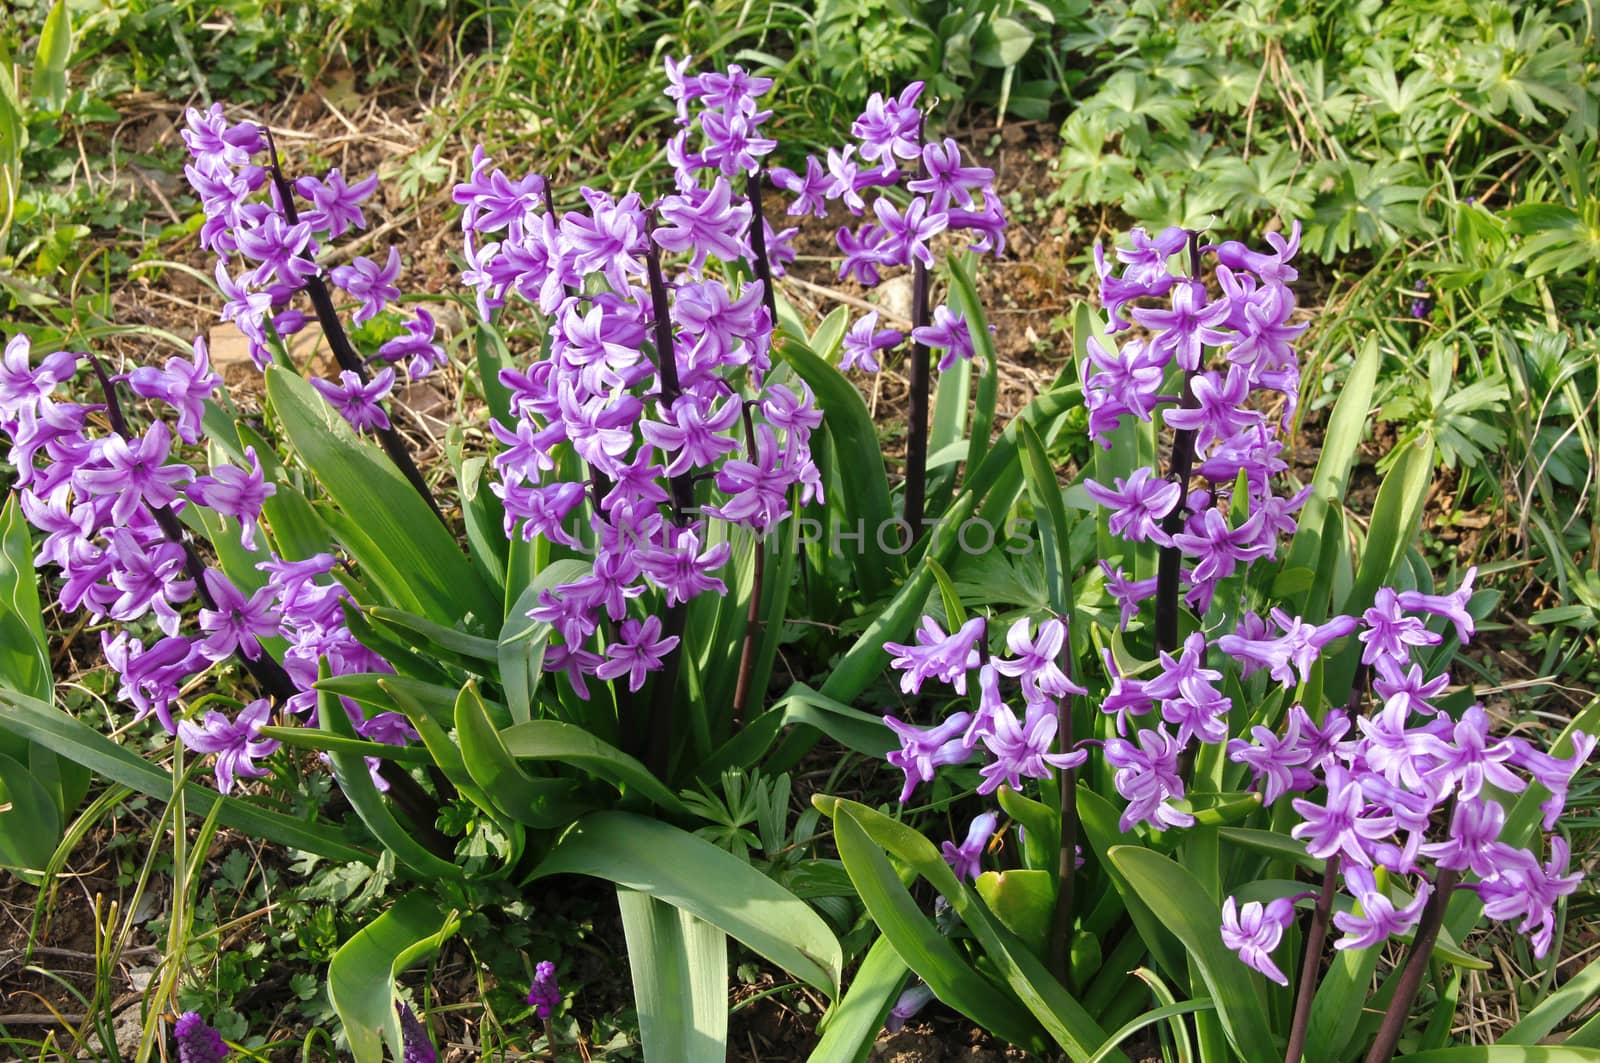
{"x":569,"y":744}
{"x":350,"y":770}
{"x":30,"y":825}
{"x":545,"y":803}
{"x":680,"y":980}
{"x":361,"y":974}
{"x":50,"y":64}
{"x":76,"y":741}
{"x":690,"y":873}
{"x":378,"y":500}
{"x":851,"y":1026}
{"x":1182,"y":904}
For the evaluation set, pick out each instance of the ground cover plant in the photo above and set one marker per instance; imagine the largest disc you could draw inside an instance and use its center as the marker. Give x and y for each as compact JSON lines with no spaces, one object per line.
{"x":555,"y":634}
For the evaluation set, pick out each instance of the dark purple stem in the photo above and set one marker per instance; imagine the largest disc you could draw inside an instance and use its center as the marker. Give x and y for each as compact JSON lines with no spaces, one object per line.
{"x":921,"y":373}
{"x":344,"y":351}
{"x":1307,"y":986}
{"x":672,"y":623}
{"x":1170,"y":563}
{"x":1067,"y":858}
{"x":1405,"y":993}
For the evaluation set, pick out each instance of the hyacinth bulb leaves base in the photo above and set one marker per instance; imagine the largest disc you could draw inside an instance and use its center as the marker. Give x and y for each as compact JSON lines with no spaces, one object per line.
{"x":362,"y":973}
{"x":30,"y":824}
{"x":850,"y":1027}
{"x":691,"y":874}
{"x":680,"y":980}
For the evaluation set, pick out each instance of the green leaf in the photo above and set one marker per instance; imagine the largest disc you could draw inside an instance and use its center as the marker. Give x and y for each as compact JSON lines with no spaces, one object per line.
{"x":1029,"y":980}
{"x":851,"y":1026}
{"x":24,"y":649}
{"x":445,"y":638}
{"x":680,"y":980}
{"x":1150,"y":1018}
{"x":1001,"y":42}
{"x":965,"y":300}
{"x":1102,"y":830}
{"x":521,"y":646}
{"x":1537,"y":1024}
{"x":350,"y":770}
{"x":690,"y":873}
{"x":1507,"y":1054}
{"x":1182,"y":904}
{"x":568,"y":744}
{"x":361,"y":974}
{"x":1024,"y":901}
{"x":50,"y":64}
{"x":76,"y":741}
{"x":1346,"y":427}
{"x":921,"y":947}
{"x":1336,"y":1008}
{"x":1051,"y":512}
{"x":30,"y":825}
{"x":545,"y":803}
{"x":865,"y":484}
{"x":378,"y":500}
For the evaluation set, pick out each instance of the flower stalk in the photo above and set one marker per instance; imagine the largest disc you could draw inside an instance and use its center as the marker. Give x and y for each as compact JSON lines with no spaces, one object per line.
{"x":1316,"y":937}
{"x":394,"y":445}
{"x":1405,"y":993}
{"x":1067,"y":857}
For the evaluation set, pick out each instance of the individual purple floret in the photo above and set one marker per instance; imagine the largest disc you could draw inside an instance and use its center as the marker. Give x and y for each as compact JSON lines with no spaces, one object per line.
{"x":966,"y":859}
{"x":906,"y":1007}
{"x":358,"y":402}
{"x":544,"y":994}
{"x":197,"y":1042}
{"x":1254,"y":931}
{"x":947,"y":333}
{"x":1378,"y":919}
{"x":237,"y":743}
{"x":863,"y":342}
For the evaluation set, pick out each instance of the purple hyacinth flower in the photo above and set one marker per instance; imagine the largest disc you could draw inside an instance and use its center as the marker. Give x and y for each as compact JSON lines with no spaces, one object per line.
{"x":1471,"y":760}
{"x":237,"y":493}
{"x":1035,"y":660}
{"x":1190,"y":324}
{"x":21,"y":384}
{"x":135,"y":471}
{"x":1021,"y":749}
{"x":890,"y":128}
{"x":416,"y":1048}
{"x":371,"y":283}
{"x":184,"y":384}
{"x":237,"y":743}
{"x":948,"y":333}
{"x":356,"y":402}
{"x":639,"y":650}
{"x":236,"y":622}
{"x":702,"y":224}
{"x":936,"y":655}
{"x":947,"y":180}
{"x":966,"y":859}
{"x":336,"y":205}
{"x":197,"y":1042}
{"x":810,"y":191}
{"x":1379,"y":919}
{"x":1341,"y":825}
{"x":1452,"y":606}
{"x":545,"y":993}
{"x":1254,"y":930}
{"x":906,"y":236}
{"x":1147,"y":777}
{"x":1127,"y":593}
{"x":1138,"y":505}
{"x":863,"y":342}
{"x":1389,"y":632}
{"x":922,"y":752}
{"x":910,"y":1002}
{"x":1279,"y":763}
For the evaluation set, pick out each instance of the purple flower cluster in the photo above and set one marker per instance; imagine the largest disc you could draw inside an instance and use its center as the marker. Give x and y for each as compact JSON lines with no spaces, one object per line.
{"x":198,"y":1042}
{"x":267,"y":249}
{"x":656,"y":380}
{"x":1374,"y":786}
{"x":106,"y":507}
{"x":1372,"y":789}
{"x":888,"y":158}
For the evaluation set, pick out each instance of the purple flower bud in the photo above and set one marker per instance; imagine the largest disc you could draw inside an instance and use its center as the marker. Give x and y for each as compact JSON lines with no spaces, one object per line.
{"x":544,"y":994}
{"x":197,"y":1042}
